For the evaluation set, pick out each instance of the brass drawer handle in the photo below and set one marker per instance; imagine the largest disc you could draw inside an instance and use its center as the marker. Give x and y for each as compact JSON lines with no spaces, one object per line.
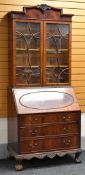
{"x":67,"y":142}
{"x":66,"y":117}
{"x":33,"y":132}
{"x":67,"y":129}
{"x":33,"y":145}
{"x":30,"y":145}
{"x":35,"y":119}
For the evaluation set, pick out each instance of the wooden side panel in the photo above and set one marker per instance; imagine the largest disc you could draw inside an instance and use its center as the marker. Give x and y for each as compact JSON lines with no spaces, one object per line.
{"x":12,"y":123}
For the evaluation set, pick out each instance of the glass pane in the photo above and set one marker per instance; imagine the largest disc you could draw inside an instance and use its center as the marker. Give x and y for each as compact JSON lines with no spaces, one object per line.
{"x":57,"y":62}
{"x":27,"y":53}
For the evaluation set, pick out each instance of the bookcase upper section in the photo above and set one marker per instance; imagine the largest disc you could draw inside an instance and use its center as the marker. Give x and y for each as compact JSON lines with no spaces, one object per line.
{"x":39,"y":47}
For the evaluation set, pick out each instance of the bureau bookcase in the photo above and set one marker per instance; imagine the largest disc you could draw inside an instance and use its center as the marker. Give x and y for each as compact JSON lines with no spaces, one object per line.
{"x":44,"y":115}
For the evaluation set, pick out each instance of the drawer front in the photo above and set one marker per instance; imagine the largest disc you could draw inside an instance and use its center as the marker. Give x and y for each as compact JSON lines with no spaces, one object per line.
{"x":49,"y":144}
{"x":44,"y":130}
{"x":25,"y":120}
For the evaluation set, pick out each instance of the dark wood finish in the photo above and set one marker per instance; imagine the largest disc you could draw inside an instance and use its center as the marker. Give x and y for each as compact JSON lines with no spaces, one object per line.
{"x":38,"y":119}
{"x":43,"y":16}
{"x":36,"y":12}
{"x":46,"y":129}
{"x":49,"y":144}
{"x":12,"y":122}
{"x":39,"y":44}
{"x":56,"y":131}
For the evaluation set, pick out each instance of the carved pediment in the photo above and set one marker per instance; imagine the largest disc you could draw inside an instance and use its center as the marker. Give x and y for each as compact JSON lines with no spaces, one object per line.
{"x":42,"y":11}
{"x":44,"y":7}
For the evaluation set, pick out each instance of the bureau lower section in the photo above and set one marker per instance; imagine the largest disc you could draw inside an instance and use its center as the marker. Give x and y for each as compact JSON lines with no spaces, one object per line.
{"x":40,"y":134}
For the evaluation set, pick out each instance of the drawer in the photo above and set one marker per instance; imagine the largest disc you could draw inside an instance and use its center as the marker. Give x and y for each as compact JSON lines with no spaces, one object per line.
{"x":44,"y":130}
{"x":49,"y":118}
{"x":49,"y":144}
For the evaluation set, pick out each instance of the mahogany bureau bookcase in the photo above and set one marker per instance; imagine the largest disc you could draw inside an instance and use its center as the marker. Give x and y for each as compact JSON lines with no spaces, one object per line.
{"x":44,"y":115}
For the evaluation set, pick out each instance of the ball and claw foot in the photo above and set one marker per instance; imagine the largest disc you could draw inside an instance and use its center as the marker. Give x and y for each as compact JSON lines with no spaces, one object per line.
{"x":77,"y":160}
{"x":18,"y":166}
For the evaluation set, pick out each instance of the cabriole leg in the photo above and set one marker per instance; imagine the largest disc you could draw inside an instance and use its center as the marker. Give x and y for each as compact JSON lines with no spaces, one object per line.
{"x":77,"y":160}
{"x":18,"y":166}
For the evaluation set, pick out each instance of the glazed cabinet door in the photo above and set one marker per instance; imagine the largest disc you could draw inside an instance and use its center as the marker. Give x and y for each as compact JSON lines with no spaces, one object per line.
{"x":28,"y":53}
{"x":41,"y":53}
{"x":56,"y":50}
